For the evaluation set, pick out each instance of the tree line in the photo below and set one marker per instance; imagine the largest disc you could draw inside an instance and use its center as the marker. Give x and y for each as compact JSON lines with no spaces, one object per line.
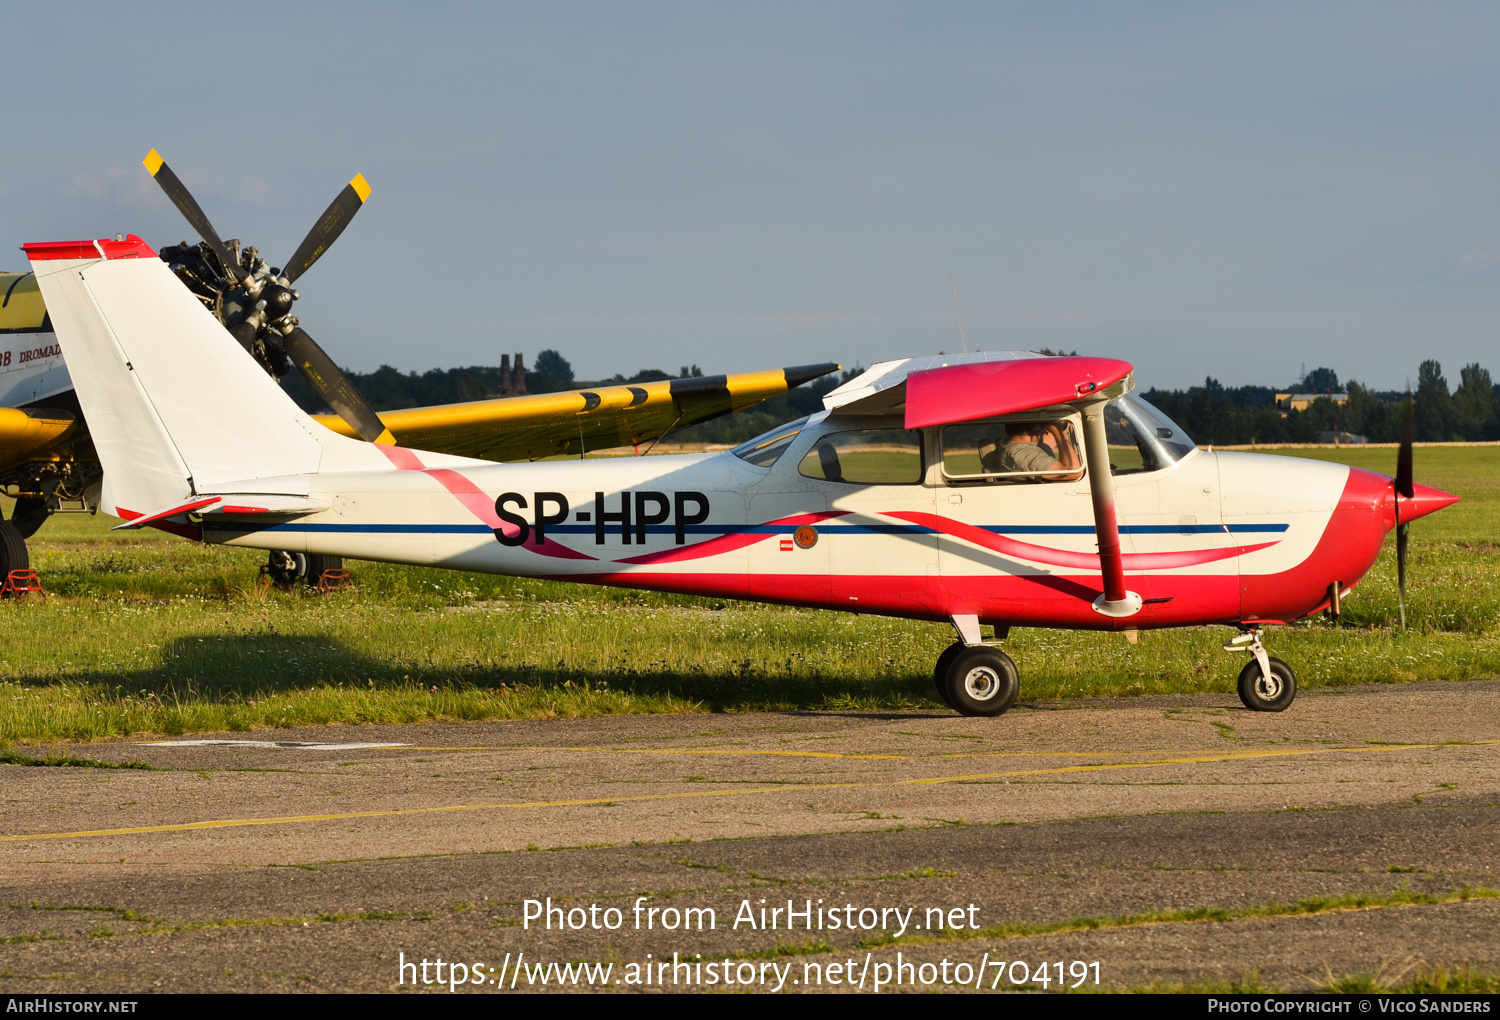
{"x":1231,"y":416}
{"x":1211,"y":413}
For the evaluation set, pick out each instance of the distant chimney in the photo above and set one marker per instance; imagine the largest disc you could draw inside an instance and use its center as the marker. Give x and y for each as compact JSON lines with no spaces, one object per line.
{"x":518,"y":380}
{"x":505,"y":390}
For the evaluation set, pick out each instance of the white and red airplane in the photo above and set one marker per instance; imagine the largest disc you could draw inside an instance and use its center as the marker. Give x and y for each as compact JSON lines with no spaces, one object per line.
{"x":947,"y":488}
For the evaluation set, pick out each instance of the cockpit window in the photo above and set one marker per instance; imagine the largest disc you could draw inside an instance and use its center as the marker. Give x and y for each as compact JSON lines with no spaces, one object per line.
{"x":1141,"y":438}
{"x":866,"y":457}
{"x":764,"y":450}
{"x":1013,"y":450}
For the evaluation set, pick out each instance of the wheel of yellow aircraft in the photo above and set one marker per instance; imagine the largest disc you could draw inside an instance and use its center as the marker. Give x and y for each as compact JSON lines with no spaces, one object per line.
{"x":13,"y":555}
{"x":978,"y":680}
{"x":1262,"y":695}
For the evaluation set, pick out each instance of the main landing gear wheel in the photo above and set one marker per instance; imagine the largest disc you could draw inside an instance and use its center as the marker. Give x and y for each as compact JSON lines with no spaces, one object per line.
{"x":285,"y":569}
{"x":979,"y":680}
{"x":1262,"y":695}
{"x":940,"y":671}
{"x":13,"y":554}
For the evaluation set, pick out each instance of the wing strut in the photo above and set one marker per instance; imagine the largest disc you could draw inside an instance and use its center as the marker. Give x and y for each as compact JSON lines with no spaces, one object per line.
{"x":1116,"y":600}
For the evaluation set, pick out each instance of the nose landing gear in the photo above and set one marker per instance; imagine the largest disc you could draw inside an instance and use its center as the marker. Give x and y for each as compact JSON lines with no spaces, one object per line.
{"x":1266,"y":684}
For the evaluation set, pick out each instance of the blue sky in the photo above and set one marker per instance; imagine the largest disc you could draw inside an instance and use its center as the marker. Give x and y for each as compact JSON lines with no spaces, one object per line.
{"x":1225,"y":189}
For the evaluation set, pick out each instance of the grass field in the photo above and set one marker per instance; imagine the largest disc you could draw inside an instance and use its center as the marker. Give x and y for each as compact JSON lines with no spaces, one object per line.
{"x":144,"y":633}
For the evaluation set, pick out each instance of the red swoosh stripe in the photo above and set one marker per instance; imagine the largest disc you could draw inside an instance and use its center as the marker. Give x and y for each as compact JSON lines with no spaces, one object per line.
{"x":475,"y":501}
{"x":1065,"y":558}
{"x":729,"y":543}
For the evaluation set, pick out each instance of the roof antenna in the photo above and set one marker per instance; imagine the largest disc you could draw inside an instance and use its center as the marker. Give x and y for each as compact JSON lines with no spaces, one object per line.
{"x":962,"y":339}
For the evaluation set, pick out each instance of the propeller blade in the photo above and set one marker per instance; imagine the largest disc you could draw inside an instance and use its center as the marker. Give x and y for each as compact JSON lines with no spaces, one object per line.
{"x":1403,"y":532}
{"x":1403,"y":487}
{"x":334,"y":387}
{"x":329,"y":226}
{"x":1403,"y":457}
{"x":190,"y":210}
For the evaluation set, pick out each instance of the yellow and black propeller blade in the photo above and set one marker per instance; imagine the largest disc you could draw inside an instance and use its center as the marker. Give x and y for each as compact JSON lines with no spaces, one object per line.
{"x":190,"y":209}
{"x":334,"y":387}
{"x":329,"y":226}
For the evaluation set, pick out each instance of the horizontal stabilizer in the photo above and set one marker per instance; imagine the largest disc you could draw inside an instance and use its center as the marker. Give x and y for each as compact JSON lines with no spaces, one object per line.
{"x":235,"y":503}
{"x":171,"y":511}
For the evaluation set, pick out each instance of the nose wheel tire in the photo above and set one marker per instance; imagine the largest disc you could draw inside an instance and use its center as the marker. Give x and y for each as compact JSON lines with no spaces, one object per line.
{"x":1262,"y":695}
{"x":980,"y":681}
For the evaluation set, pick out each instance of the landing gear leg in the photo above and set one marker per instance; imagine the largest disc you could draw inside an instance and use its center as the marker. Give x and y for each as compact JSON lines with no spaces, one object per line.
{"x":1266,"y":684}
{"x":29,"y":514}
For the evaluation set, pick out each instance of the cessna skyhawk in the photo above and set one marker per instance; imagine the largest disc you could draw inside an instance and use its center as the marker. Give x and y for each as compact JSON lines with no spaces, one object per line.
{"x":999,"y":488}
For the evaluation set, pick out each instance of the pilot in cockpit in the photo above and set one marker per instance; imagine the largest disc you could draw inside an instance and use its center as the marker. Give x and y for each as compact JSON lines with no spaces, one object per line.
{"x":1044,"y":450}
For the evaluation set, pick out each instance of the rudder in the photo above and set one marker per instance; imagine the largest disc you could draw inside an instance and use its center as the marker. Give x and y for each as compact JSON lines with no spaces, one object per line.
{"x":175,"y":406}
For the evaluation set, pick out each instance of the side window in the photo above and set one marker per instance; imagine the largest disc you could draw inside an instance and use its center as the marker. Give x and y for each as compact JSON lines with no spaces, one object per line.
{"x":866,"y":457}
{"x":1013,"y":451}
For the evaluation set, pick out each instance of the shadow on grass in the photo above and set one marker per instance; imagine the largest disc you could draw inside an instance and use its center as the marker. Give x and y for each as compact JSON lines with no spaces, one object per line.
{"x":241,"y":682}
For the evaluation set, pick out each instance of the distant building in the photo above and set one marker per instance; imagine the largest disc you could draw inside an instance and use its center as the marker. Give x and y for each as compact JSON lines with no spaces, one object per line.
{"x":1340,"y":438}
{"x":512,"y":380}
{"x":1288,"y":402}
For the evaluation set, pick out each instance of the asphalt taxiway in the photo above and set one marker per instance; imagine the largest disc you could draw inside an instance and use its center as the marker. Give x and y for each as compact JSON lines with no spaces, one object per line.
{"x":1170,"y":840}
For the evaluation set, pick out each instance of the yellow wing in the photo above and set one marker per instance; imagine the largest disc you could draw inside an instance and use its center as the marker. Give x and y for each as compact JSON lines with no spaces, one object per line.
{"x":24,"y":434}
{"x":547,"y":424}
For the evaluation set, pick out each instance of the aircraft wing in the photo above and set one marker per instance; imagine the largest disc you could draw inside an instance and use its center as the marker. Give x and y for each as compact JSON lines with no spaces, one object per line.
{"x":24,"y":432}
{"x":936,"y":396}
{"x":573,"y":421}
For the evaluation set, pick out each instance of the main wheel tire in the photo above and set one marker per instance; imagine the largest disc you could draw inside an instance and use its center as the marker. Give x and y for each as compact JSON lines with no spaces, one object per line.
{"x":13,"y":554}
{"x":940,"y":671}
{"x":317,"y":563}
{"x":1276,"y":695}
{"x":982,"y":681}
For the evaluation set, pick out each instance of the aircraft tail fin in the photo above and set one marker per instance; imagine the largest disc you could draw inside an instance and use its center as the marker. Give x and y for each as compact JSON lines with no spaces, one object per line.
{"x":175,"y":406}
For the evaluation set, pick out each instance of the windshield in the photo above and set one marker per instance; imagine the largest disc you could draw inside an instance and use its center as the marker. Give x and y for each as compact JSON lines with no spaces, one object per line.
{"x":765,"y":449}
{"x":1141,"y":438}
